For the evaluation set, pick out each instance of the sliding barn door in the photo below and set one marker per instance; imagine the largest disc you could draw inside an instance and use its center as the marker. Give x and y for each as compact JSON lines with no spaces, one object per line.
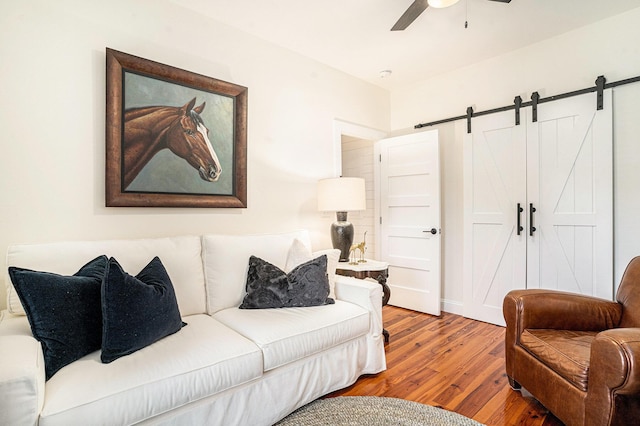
{"x":538,"y":204}
{"x":570,"y":185}
{"x":494,"y":184}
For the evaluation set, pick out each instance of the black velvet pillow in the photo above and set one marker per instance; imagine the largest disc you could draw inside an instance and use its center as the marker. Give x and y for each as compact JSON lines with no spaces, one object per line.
{"x":64,"y":311}
{"x":136,"y":311}
{"x":270,"y":287}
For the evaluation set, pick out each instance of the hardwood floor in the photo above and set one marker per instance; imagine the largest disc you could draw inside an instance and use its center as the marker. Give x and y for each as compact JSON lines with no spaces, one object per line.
{"x":450,"y":362}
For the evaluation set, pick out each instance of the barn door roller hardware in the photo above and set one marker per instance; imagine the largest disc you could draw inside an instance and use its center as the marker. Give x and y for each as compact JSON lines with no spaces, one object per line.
{"x":535,"y":98}
{"x":518,"y":104}
{"x":600,"y":81}
{"x":600,"y":85}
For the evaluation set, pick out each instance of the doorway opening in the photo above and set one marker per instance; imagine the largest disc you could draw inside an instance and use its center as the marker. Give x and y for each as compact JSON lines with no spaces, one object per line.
{"x":354,"y":157}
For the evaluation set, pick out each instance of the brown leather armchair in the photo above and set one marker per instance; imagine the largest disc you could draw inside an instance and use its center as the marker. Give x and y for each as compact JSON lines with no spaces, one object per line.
{"x":579,"y":356}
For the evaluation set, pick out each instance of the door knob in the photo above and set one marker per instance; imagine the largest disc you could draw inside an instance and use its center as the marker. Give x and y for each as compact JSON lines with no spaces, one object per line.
{"x":434,"y":231}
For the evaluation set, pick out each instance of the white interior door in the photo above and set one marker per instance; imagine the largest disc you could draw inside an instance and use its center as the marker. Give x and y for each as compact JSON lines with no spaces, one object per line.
{"x":409,"y":195}
{"x":494,"y":188}
{"x":571,"y":189}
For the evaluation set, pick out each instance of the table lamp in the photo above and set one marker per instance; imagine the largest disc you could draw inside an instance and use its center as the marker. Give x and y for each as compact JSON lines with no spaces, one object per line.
{"x":341,"y":195}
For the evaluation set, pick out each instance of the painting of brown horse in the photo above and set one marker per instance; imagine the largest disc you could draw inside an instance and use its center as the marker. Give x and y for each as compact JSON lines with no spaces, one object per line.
{"x":149,"y":130}
{"x":174,"y":138}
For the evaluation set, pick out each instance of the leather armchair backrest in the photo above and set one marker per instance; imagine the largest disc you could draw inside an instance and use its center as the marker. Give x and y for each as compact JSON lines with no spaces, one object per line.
{"x":629,"y":295}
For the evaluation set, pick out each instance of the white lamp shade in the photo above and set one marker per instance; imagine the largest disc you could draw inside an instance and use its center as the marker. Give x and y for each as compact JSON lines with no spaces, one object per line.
{"x":341,"y":194}
{"x":441,"y":3}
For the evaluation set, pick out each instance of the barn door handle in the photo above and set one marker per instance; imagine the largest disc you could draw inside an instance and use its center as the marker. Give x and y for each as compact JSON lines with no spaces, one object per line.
{"x":519,"y":214}
{"x":532,"y":228}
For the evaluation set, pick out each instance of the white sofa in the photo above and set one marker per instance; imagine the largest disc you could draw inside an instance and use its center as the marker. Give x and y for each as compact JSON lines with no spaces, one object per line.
{"x":228,"y":366}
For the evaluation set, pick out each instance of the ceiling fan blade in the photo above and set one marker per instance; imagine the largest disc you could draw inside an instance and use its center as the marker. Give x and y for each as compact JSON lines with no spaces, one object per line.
{"x":502,"y":1}
{"x":410,"y":15}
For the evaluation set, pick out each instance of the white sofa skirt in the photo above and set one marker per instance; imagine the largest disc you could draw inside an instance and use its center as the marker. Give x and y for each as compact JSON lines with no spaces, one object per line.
{"x":279,"y":391}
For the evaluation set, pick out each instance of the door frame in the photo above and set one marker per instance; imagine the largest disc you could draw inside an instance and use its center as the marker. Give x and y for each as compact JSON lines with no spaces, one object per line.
{"x":345,"y":128}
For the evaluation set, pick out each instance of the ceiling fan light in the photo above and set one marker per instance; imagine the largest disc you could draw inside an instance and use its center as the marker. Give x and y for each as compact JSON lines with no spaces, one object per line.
{"x":442,"y":3}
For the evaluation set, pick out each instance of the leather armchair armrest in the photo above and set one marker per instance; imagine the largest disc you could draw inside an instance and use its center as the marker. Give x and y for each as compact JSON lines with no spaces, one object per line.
{"x":614,"y":370}
{"x":550,"y":309}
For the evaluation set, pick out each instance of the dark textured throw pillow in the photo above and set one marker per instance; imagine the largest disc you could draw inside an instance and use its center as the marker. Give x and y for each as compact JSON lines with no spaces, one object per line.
{"x":310,"y":284}
{"x":64,"y":312}
{"x":270,"y":287}
{"x":136,"y":311}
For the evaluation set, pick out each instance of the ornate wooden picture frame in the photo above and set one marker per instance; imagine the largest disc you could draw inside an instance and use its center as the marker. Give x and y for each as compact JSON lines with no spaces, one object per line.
{"x":173,"y":138}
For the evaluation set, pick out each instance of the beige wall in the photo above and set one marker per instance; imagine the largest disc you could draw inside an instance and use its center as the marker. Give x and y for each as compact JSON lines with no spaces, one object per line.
{"x":52,"y":109}
{"x":565,"y":63}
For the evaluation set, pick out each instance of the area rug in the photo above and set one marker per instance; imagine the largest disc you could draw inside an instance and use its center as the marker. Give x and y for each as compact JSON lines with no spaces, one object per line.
{"x":374,"y":411}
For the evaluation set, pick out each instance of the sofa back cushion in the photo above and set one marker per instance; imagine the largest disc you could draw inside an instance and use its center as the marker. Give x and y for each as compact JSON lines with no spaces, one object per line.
{"x":226,"y":262}
{"x":181,"y":256}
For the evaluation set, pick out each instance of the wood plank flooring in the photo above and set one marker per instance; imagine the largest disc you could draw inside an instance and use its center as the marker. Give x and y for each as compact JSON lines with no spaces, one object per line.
{"x":450,"y":362}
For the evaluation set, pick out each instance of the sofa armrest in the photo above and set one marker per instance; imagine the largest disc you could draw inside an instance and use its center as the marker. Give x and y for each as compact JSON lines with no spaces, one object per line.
{"x":614,"y":372}
{"x":367,"y":294}
{"x":22,"y":380}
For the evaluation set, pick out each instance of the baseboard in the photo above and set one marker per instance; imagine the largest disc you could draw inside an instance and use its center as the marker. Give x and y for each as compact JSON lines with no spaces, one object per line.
{"x":452,"y":306}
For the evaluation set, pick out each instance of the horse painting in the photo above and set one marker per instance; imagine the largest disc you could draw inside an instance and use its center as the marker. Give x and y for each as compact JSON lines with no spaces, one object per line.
{"x":148,"y":130}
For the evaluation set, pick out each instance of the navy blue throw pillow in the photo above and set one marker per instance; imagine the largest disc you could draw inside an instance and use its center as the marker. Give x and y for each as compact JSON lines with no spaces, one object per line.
{"x":64,"y":312}
{"x":270,"y":287}
{"x":136,"y":311}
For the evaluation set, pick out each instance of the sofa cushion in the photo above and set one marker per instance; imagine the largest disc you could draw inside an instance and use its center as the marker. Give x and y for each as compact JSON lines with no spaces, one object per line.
{"x":299,"y":253}
{"x":226,"y":259}
{"x":270,"y":287}
{"x":63,"y":311}
{"x":287,"y":335}
{"x":204,"y":359}
{"x":136,"y":311}
{"x":565,"y":351}
{"x":181,"y":256}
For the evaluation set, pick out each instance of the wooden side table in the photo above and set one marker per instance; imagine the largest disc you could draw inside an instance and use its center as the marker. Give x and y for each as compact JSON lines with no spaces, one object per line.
{"x":375,"y":269}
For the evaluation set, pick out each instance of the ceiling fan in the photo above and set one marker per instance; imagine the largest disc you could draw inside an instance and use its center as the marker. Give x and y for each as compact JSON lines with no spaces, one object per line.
{"x":419,"y":6}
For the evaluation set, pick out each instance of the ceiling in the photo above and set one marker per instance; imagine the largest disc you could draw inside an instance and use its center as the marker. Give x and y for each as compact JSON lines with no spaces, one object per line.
{"x":354,"y":35}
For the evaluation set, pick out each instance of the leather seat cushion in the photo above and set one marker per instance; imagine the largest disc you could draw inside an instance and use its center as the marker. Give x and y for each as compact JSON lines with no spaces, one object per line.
{"x":566,"y":352}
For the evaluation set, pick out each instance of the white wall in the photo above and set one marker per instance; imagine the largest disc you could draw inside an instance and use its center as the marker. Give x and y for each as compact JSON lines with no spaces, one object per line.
{"x":52,"y":101}
{"x":565,"y":63}
{"x":357,"y":161}
{"x":52,"y":109}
